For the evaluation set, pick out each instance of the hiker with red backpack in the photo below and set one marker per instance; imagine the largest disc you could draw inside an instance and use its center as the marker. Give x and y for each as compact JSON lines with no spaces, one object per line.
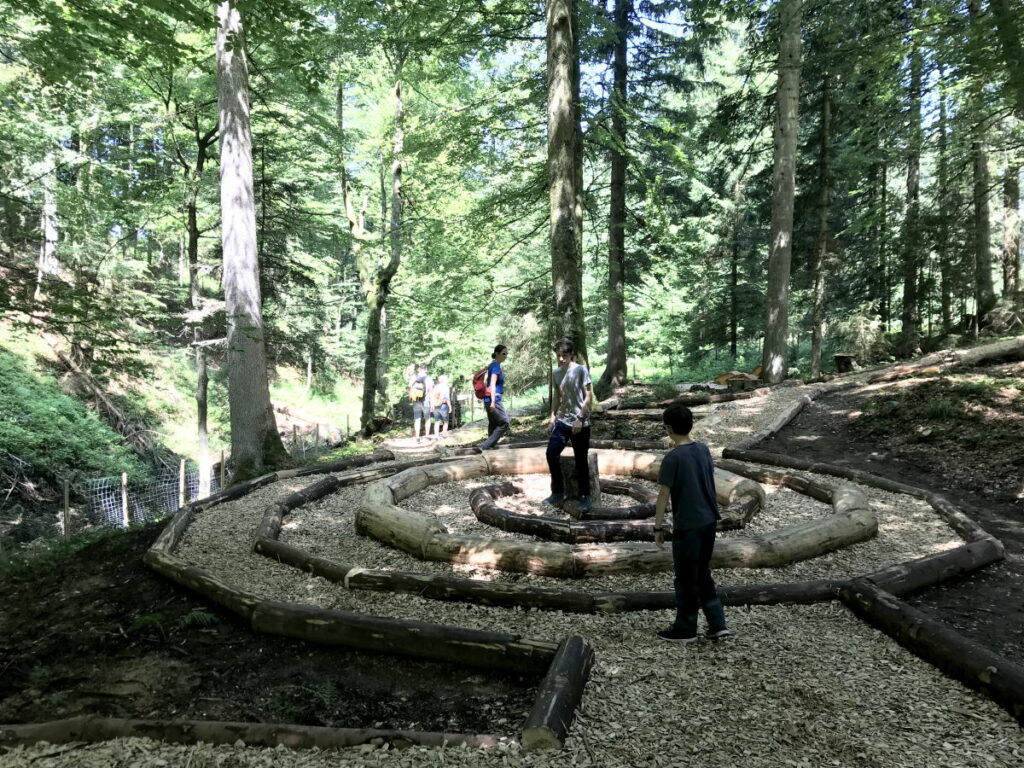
{"x":489,"y":385}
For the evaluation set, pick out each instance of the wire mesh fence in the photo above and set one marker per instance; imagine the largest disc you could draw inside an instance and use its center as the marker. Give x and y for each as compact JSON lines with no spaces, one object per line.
{"x":113,"y":501}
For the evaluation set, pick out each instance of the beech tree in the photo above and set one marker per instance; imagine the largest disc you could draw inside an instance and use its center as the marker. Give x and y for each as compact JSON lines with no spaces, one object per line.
{"x":255,"y":443}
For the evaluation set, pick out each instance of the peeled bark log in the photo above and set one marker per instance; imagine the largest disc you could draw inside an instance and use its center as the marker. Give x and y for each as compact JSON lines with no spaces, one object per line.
{"x":924,"y":572}
{"x":688,"y":400}
{"x":90,"y":728}
{"x":560,"y":693}
{"x":972,"y":664}
{"x":297,"y":558}
{"x":401,"y":528}
{"x":472,"y":647}
{"x":545,"y":558}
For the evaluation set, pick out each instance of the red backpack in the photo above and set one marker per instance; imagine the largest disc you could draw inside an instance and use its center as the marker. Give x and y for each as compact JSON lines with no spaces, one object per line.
{"x":480,"y":384}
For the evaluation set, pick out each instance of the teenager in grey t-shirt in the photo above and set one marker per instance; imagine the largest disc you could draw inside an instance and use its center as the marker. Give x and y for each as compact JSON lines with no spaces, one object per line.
{"x":570,"y":424}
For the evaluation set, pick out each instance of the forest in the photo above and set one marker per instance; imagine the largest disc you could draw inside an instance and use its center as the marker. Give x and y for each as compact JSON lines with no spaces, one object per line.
{"x":231,"y":232}
{"x":677,"y":186}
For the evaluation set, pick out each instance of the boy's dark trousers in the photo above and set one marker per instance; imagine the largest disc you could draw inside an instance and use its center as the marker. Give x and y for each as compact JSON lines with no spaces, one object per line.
{"x":695,"y":588}
{"x":561,"y":436}
{"x":497,"y":424}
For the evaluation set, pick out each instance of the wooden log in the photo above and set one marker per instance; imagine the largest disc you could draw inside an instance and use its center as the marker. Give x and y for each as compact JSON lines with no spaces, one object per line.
{"x":736,"y":515}
{"x":689,"y":400}
{"x":572,"y":487}
{"x":298,"y":558}
{"x":603,"y":559}
{"x":170,"y":536}
{"x":599,"y":531}
{"x":635,"y":512}
{"x":478,"y":591}
{"x":406,"y":483}
{"x":783,"y":593}
{"x":525,"y":461}
{"x":969,"y":662}
{"x":199,"y":580}
{"x":270,"y":525}
{"x":310,"y":493}
{"x":958,"y":521}
{"x":628,"y":463}
{"x":796,"y":483}
{"x":453,"y":471}
{"x":731,"y":487}
{"x":338,"y":466}
{"x":420,"y":639}
{"x":545,"y":558}
{"x":913,"y":575}
{"x":402,"y":528}
{"x":235,"y":491}
{"x":560,"y":693}
{"x":787,"y":415}
{"x":91,"y":728}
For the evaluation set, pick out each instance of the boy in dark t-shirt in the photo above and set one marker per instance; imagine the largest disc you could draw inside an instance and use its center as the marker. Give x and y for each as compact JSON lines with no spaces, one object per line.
{"x":687,"y":477}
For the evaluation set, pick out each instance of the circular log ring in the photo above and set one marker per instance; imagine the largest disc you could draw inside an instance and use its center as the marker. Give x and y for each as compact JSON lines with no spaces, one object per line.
{"x":635,"y":525}
{"x":424,"y":537}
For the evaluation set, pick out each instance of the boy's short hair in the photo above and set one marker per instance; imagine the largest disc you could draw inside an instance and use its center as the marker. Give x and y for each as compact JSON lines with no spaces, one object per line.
{"x":564,"y":346}
{"x":679,"y":418}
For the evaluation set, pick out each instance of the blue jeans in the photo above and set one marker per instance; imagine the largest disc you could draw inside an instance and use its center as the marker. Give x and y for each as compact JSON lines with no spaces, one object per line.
{"x":497,"y":424}
{"x":695,"y":588}
{"x":561,"y":436}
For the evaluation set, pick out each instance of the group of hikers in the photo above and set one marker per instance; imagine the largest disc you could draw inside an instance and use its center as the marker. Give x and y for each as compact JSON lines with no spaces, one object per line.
{"x":686,"y":478}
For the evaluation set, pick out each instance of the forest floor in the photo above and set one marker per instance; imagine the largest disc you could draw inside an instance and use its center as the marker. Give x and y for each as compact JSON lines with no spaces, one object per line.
{"x":99,"y":632}
{"x":960,"y":435}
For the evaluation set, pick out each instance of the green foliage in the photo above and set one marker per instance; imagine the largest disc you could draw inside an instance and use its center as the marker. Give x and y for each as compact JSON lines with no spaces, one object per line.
{"x":861,"y":334}
{"x":197,"y":618}
{"x":46,"y":554}
{"x":54,"y":433}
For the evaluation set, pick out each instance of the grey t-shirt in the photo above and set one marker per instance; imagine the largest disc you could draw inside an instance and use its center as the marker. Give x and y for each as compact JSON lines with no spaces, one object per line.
{"x":689,"y":472}
{"x":572,"y":387}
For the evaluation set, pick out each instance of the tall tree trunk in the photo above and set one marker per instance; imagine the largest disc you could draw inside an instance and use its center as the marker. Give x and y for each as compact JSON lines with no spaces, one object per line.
{"x":615,"y":373}
{"x":819,"y":259}
{"x":910,"y":238}
{"x":1011,"y":229}
{"x":255,"y":443}
{"x":734,"y":274}
{"x":1008,"y":32}
{"x":377,"y":282}
{"x":945,"y":212}
{"x":47,"y":262}
{"x":562,"y":174}
{"x":984,"y":288}
{"x":192,"y":179}
{"x":774,"y":359}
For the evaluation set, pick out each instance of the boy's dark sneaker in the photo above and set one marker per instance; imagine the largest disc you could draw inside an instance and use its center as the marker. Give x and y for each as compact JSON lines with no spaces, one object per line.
{"x":555,"y":499}
{"x":585,"y":504}
{"x":673,"y":635}
{"x":720,"y":634}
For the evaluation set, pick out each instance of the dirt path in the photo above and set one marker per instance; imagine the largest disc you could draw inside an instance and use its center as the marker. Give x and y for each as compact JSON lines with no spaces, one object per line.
{"x":983,"y":477}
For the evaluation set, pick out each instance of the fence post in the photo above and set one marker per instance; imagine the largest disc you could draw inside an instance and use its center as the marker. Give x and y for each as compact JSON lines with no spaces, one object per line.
{"x":125,"y":520}
{"x":181,"y":483}
{"x":295,"y":436}
{"x":348,"y":426}
{"x":316,"y":441}
{"x":67,"y":509}
{"x":223,"y":470}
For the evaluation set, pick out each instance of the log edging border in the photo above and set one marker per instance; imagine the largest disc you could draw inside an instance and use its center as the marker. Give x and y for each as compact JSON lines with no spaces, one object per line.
{"x":453,"y":644}
{"x":974,"y":665}
{"x":93,"y":728}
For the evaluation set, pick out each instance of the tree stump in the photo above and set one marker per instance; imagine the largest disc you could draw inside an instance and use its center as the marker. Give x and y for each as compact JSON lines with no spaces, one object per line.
{"x":573,"y":492}
{"x":844,"y":363}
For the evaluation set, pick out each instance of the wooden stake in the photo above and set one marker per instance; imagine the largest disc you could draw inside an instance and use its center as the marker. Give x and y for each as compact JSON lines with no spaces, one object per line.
{"x":316,"y":440}
{"x":181,"y":483}
{"x":67,"y":509}
{"x":295,"y":436}
{"x":222,"y":470}
{"x":125,"y":520}
{"x":348,"y":426}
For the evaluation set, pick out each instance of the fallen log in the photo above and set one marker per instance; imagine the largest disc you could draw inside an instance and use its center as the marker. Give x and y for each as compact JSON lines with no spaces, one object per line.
{"x":783,"y":593}
{"x":406,"y":637}
{"x":687,"y":400}
{"x":560,"y":693}
{"x":91,"y":728}
{"x":914,"y":575}
{"x":972,"y":664}
{"x":199,"y":580}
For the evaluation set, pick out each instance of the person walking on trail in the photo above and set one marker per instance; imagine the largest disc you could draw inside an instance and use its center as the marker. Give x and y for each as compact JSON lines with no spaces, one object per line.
{"x":420,"y":387}
{"x":687,"y":477}
{"x":440,"y":406}
{"x":571,"y":397}
{"x":497,"y":420}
